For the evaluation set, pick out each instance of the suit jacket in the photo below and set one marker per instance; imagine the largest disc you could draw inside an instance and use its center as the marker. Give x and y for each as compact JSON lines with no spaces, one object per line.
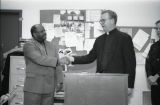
{"x":114,"y":54}
{"x":41,"y":63}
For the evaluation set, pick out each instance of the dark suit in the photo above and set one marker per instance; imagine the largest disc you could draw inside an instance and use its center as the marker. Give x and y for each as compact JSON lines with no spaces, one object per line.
{"x":41,"y":63}
{"x":153,"y":67}
{"x":114,"y":54}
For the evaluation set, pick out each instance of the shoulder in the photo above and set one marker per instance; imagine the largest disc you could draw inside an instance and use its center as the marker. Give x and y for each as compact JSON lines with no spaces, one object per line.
{"x":124,"y":36}
{"x":100,"y":37}
{"x":155,"y":45}
{"x":28,"y":47}
{"x":28,"y":44}
{"x":51,"y":45}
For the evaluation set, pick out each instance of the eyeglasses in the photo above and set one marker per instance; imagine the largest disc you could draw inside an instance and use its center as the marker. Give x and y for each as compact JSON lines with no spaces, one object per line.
{"x":103,"y":20}
{"x":157,"y":28}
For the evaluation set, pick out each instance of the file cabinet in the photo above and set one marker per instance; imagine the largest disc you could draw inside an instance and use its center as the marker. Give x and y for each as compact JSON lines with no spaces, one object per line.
{"x":16,"y":79}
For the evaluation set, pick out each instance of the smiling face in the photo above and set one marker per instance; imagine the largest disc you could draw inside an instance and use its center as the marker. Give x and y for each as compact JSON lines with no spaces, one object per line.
{"x":39,"y":34}
{"x":107,"y":22}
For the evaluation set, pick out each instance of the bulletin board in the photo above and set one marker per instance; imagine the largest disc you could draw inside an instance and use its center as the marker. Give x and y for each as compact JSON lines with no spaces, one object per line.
{"x":85,"y":25}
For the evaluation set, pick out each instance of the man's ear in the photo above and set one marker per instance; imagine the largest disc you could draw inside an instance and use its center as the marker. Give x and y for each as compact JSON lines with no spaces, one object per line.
{"x":33,"y":35}
{"x":112,"y":21}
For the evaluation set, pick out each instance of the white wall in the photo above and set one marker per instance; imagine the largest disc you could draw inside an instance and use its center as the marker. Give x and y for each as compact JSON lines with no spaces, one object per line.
{"x":130,"y":12}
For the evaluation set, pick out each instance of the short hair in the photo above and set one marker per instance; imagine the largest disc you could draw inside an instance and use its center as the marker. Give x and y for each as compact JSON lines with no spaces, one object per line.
{"x":33,"y":29}
{"x":112,"y":14}
{"x":157,"y":22}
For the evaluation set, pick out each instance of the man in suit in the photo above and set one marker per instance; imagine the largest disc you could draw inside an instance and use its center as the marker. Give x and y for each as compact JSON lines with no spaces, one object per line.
{"x":41,"y":62}
{"x":114,"y":50}
{"x":152,"y":66}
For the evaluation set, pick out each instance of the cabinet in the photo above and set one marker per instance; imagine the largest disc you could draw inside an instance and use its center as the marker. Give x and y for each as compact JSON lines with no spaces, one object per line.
{"x":16,"y":79}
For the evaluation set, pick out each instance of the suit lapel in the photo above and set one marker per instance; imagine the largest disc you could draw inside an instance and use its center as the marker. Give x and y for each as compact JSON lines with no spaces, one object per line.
{"x":48,"y":48}
{"x":41,"y":48}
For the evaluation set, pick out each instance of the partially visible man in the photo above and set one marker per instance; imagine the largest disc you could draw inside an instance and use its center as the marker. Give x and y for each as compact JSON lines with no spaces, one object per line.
{"x":152,"y":66}
{"x":41,"y":58}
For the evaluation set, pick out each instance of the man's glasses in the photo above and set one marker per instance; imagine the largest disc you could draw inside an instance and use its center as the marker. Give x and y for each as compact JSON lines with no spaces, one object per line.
{"x":158,"y":29}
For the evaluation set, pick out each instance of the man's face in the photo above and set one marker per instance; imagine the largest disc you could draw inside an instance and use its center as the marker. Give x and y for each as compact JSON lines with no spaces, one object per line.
{"x":158,"y":29}
{"x":106,"y":22}
{"x":40,"y":34}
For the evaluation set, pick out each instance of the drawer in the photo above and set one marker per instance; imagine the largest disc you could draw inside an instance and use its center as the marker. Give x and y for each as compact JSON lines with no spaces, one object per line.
{"x":20,"y":80}
{"x":17,"y":100}
{"x":20,"y":96}
{"x":19,"y":70}
{"x":16,"y":81}
{"x":19,"y":90}
{"x":17,"y":65}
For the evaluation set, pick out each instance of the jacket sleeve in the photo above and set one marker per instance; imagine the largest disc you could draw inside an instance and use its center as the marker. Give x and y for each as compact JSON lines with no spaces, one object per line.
{"x":86,"y":58}
{"x":130,"y":60}
{"x":32,"y":53}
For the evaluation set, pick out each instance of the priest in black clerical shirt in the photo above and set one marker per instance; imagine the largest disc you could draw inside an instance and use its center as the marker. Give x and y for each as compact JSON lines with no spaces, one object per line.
{"x":114,"y":50}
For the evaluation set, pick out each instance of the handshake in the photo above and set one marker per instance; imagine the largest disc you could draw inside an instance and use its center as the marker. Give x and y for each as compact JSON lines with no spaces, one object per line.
{"x":66,"y":60}
{"x":65,"y":57}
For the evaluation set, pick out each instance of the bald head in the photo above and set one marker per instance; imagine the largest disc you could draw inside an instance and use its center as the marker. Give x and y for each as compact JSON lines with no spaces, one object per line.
{"x":38,"y":33}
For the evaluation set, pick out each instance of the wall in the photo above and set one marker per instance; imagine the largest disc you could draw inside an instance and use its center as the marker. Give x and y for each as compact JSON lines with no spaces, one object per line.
{"x":132,"y":13}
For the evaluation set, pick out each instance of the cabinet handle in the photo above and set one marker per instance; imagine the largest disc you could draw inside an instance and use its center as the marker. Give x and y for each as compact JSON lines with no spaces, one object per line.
{"x":20,"y":68}
{"x":19,"y":85}
{"x":19,"y":103}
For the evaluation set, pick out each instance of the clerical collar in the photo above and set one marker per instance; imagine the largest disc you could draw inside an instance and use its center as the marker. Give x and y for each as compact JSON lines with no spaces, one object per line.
{"x":107,"y":33}
{"x":112,"y":31}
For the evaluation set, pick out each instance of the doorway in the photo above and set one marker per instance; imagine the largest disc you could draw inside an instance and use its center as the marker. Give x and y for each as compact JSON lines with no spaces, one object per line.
{"x":10,"y":31}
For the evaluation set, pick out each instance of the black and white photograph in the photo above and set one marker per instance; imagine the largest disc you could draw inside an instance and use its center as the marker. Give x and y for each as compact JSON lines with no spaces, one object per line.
{"x":79,"y":52}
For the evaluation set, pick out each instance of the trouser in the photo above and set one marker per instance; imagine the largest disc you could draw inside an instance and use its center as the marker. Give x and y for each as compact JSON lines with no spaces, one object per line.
{"x":155,"y":94}
{"x":38,"y":99}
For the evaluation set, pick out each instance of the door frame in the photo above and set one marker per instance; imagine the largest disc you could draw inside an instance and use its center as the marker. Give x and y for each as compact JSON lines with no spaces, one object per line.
{"x":20,"y":19}
{"x":19,"y":12}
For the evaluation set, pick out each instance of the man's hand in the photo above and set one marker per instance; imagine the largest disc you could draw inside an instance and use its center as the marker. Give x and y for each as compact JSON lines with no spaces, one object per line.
{"x":4,"y":98}
{"x":64,"y":61}
{"x":152,"y":79}
{"x":130,"y":90}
